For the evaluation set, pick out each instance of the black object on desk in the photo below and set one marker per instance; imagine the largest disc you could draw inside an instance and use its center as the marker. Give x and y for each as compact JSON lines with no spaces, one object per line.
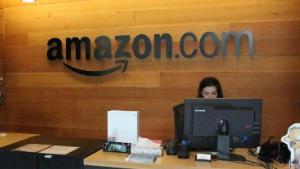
{"x":171,"y":147}
{"x":10,"y":159}
{"x":183,"y":149}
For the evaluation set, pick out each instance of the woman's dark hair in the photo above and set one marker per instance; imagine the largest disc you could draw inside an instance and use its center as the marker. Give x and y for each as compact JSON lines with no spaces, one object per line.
{"x":207,"y":82}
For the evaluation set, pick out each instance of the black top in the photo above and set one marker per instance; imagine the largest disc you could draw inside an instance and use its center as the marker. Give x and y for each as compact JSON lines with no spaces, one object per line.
{"x":86,"y":146}
{"x":34,"y":160}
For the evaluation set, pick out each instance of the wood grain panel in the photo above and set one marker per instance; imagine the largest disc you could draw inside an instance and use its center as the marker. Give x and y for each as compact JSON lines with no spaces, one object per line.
{"x":42,"y":96}
{"x":68,"y":79}
{"x":229,"y":64}
{"x":31,"y":48}
{"x":228,"y":79}
{"x":94,"y":108}
{"x":37,"y":38}
{"x":1,"y":19}
{"x":160,"y":12}
{"x":31,"y":129}
{"x":75,"y":132}
{"x":2,"y":58}
{"x":38,"y":19}
{"x":148,"y":109}
{"x":283,"y":91}
{"x":170,"y":94}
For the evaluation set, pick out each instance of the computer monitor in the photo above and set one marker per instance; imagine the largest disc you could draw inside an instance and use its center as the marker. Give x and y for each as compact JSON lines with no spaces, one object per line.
{"x":202,"y":118}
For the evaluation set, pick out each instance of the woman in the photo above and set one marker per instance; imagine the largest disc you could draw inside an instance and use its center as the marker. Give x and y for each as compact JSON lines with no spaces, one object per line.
{"x":209,"y":88}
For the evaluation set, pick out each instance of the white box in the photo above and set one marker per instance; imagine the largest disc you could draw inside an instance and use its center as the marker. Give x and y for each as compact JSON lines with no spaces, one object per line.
{"x":123,"y":126}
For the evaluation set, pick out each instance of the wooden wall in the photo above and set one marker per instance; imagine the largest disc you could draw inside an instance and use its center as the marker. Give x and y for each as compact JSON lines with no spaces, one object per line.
{"x":2,"y":108}
{"x":45,"y":97}
{"x":1,"y":38}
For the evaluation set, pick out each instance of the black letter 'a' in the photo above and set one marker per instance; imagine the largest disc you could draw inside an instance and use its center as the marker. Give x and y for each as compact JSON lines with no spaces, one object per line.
{"x":54,"y":49}
{"x":103,"y":48}
{"x":120,"y":52}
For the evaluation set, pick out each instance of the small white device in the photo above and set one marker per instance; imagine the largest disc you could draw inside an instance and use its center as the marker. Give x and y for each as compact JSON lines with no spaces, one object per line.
{"x":123,"y":126}
{"x":203,"y":157}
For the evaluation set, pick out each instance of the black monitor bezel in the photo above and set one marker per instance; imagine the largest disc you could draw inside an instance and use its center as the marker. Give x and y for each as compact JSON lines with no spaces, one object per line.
{"x":256,"y":104}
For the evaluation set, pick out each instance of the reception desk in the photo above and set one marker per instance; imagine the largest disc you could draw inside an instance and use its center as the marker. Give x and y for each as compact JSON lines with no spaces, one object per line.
{"x":10,"y":138}
{"x":100,"y":159}
{"x":117,"y":160}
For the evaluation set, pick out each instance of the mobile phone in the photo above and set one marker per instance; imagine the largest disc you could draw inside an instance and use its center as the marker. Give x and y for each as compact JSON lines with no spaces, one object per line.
{"x":117,"y":147}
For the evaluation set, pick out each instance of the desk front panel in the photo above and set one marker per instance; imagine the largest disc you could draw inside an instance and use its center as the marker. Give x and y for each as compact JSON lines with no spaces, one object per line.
{"x":110,"y":160}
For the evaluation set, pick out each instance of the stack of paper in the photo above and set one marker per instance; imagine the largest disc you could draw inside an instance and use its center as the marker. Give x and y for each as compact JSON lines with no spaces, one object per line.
{"x":46,"y":149}
{"x":59,"y":150}
{"x":32,"y":147}
{"x":141,"y":158}
{"x":146,"y":146}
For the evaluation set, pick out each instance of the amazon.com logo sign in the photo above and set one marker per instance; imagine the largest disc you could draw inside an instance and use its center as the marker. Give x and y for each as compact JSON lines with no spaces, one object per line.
{"x":142,"y":48}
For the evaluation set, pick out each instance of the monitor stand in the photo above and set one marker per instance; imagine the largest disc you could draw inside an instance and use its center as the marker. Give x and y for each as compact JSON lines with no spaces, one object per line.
{"x":223,"y":150}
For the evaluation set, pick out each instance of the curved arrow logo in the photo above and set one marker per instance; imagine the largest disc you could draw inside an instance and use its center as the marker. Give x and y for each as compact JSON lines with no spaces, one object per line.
{"x":121,"y":63}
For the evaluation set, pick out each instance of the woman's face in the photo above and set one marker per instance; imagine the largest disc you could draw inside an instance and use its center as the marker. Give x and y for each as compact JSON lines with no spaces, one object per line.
{"x":210,"y":92}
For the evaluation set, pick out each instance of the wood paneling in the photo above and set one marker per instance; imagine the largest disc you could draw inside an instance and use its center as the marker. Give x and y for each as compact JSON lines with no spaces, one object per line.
{"x":45,"y":97}
{"x":2,"y":108}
